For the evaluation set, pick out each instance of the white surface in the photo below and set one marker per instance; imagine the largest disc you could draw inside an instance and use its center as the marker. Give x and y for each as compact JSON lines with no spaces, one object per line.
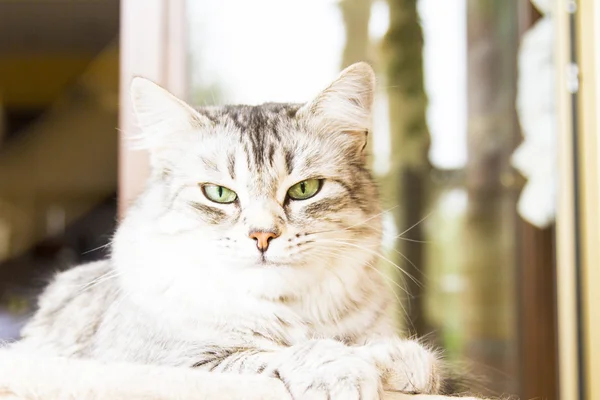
{"x":25,"y":378}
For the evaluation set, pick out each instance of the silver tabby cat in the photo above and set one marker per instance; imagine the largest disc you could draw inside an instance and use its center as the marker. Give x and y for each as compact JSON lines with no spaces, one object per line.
{"x":251,"y":251}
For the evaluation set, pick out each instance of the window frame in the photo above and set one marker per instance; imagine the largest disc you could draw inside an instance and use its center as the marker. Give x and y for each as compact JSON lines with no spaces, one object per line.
{"x":153,"y":44}
{"x":578,"y":219}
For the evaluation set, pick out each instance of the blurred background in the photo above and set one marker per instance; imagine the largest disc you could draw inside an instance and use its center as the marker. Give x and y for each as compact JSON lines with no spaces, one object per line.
{"x":478,"y":134}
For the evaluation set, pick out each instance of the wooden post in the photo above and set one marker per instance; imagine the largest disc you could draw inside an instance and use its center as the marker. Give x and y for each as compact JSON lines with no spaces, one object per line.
{"x":536,"y":289}
{"x":588,"y":58}
{"x":491,"y":222}
{"x":408,"y":181}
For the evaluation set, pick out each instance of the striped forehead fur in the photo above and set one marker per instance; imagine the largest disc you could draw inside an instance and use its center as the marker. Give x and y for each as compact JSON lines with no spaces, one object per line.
{"x":262,"y":128}
{"x":344,"y":106}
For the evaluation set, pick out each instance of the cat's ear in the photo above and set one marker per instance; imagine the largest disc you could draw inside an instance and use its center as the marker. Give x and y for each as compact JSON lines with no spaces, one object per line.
{"x":346,"y":104}
{"x":162,"y":118}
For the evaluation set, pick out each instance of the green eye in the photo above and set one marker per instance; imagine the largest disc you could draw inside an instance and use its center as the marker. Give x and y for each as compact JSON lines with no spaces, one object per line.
{"x":305,"y":189}
{"x":219,"y":194}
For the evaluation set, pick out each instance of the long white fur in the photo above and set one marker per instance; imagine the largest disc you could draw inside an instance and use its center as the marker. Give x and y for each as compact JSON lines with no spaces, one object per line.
{"x":177,"y":291}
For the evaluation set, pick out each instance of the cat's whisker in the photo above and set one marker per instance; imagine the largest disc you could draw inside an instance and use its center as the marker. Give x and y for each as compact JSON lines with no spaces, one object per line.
{"x":396,"y":251}
{"x":106,"y":274}
{"x":121,"y":296}
{"x":336,"y":254}
{"x":98,"y":282}
{"x":389,"y":280}
{"x":412,"y":264}
{"x":386,"y":279}
{"x":398,"y":236}
{"x":412,"y":240}
{"x":341,"y":242}
{"x":371,"y":218}
{"x":381,"y":230}
{"x":415,"y":224}
{"x":98,"y":248}
{"x":101,"y":279}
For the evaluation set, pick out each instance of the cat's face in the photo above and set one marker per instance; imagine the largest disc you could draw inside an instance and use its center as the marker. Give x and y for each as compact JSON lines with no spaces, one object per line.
{"x":276,"y":186}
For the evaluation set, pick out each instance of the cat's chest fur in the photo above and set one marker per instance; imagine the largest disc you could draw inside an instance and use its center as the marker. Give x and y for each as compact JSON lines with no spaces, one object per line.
{"x":330,"y":308}
{"x":85,"y":313}
{"x":179,"y":335}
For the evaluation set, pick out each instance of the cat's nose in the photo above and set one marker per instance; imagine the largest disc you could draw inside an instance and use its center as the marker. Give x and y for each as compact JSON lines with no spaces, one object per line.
{"x":263,"y":238}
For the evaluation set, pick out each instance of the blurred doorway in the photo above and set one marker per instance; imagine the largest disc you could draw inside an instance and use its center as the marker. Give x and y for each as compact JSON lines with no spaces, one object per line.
{"x":59,"y":63}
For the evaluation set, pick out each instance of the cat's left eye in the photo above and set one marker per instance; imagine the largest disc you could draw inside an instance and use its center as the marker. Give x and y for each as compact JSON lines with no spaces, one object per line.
{"x":305,"y":189}
{"x":219,"y":194}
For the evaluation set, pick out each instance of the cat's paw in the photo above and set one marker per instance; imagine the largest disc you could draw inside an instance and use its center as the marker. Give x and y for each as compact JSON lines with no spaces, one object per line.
{"x":327,"y":369}
{"x":405,"y":365}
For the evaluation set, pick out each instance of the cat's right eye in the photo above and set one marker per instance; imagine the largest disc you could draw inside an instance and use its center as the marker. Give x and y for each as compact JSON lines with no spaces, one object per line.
{"x":218,"y":194}
{"x":305,"y":189}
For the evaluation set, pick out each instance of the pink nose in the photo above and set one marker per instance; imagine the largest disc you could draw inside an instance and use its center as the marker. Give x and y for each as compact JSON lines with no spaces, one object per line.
{"x":263,"y":238}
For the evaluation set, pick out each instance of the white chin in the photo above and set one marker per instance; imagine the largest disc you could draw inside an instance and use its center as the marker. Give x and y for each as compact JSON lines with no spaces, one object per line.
{"x":269,"y":262}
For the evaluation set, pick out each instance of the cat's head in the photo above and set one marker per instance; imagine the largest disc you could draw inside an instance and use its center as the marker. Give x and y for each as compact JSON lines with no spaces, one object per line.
{"x":268,"y":188}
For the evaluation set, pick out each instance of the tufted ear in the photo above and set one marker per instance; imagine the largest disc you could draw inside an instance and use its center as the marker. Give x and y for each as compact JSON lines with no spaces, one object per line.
{"x":346,"y":104}
{"x":162,"y":117}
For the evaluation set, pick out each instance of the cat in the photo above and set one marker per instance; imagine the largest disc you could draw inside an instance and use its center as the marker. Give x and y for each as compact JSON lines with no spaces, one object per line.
{"x":251,"y":250}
